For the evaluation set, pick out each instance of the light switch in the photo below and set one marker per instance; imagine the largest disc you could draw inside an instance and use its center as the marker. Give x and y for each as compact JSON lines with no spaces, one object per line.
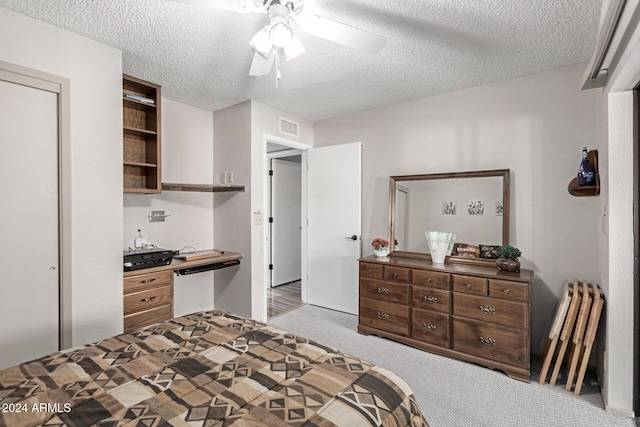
{"x":257,"y":218}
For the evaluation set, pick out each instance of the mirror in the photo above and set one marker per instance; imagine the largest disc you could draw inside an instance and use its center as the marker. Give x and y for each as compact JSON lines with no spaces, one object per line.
{"x":475,"y":205}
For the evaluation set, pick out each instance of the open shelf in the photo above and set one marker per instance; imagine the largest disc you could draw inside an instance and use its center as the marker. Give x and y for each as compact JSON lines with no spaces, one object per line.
{"x":203,"y":188}
{"x":575,"y":189}
{"x":141,"y":137}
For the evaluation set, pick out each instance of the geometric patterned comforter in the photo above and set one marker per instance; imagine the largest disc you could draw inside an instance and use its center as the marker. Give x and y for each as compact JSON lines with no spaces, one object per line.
{"x":209,"y":369}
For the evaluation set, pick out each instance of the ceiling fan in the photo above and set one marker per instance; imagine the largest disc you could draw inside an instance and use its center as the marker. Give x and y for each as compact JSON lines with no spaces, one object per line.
{"x":277,"y":37}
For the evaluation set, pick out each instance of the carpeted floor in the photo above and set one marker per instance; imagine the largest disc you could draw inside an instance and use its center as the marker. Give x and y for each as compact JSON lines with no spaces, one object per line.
{"x":452,"y":393}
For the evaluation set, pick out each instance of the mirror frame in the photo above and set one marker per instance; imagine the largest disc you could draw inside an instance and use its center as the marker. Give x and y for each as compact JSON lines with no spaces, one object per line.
{"x":504,"y":173}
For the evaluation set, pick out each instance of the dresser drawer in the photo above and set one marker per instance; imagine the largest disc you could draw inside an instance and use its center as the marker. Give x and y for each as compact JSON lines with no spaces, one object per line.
{"x":373,"y":271}
{"x":385,"y":291}
{"x":513,"y":291}
{"x":469,"y":284}
{"x":431,"y":299}
{"x":508,"y":313}
{"x":492,"y":342}
{"x":147,"y":317}
{"x":396,"y":274}
{"x":386,"y":316}
{"x":430,"y":327}
{"x":144,"y":300}
{"x":432,"y":279}
{"x":141,"y":282}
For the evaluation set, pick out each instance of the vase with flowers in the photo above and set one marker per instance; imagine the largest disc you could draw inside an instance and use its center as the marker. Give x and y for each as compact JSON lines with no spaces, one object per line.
{"x":508,"y":258}
{"x":380,"y":247}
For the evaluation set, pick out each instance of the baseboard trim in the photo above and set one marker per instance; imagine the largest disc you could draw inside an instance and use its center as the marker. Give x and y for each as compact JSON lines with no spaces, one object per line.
{"x":620,"y":412}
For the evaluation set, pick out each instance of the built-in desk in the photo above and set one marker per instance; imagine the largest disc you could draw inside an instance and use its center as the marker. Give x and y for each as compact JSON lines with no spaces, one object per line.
{"x":177,"y":264}
{"x":148,"y":293}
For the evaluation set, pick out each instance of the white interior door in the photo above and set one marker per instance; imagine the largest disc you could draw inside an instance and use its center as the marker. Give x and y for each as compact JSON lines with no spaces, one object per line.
{"x":334,"y":186}
{"x":29,"y":227}
{"x":286,"y":199}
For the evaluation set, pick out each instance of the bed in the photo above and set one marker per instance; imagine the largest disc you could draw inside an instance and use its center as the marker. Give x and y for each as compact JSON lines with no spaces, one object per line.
{"x":210,"y":368}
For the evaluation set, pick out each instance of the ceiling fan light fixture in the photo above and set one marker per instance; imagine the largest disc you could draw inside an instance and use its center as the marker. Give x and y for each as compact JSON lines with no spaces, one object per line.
{"x":261,"y":42}
{"x":280,"y":34}
{"x":293,"y":49}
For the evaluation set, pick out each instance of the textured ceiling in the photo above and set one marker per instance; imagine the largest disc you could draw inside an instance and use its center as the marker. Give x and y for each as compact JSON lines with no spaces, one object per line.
{"x":201,"y":55}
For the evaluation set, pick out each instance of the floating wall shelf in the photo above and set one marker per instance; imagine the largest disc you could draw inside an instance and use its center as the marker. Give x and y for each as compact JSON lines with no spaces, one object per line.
{"x":203,"y":188}
{"x":575,"y":189}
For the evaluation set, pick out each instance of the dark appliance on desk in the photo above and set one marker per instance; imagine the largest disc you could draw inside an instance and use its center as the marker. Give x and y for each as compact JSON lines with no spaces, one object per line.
{"x":146,"y":258}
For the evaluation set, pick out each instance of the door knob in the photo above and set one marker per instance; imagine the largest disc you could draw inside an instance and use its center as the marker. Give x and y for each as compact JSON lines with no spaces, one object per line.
{"x":354,"y":237}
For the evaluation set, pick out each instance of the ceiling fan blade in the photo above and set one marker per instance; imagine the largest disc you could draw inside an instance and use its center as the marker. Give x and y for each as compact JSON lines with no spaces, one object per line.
{"x":340,"y":33}
{"x":261,"y":66}
{"x":242,"y":6}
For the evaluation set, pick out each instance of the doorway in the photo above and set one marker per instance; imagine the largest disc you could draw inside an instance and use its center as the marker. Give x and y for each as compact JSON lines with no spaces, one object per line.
{"x":284,"y":231}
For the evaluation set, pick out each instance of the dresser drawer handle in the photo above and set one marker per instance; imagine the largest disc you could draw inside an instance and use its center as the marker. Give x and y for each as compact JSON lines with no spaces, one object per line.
{"x":487,"y":341}
{"x":383,"y":291}
{"x":395,"y":275}
{"x":506,"y":291}
{"x":468,"y":286}
{"x":148,"y":299}
{"x":370,"y":271}
{"x":430,"y":300}
{"x":148,"y":280}
{"x":429,"y":327}
{"x":487,"y":309}
{"x":429,"y":280}
{"x":383,"y":316}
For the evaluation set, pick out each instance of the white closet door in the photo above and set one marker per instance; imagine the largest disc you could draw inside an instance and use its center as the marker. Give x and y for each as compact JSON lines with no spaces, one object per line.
{"x":29,"y":227}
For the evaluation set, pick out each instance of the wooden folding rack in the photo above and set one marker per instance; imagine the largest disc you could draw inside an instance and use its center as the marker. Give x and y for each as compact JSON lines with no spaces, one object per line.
{"x":576,"y":322}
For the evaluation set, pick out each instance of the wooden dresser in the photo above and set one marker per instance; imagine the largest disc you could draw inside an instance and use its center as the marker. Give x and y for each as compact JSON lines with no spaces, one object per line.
{"x":473,"y":313}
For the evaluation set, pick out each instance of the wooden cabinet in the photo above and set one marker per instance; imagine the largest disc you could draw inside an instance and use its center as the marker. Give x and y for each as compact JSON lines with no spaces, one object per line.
{"x":148,"y":299}
{"x":141,"y":136}
{"x":473,"y":313}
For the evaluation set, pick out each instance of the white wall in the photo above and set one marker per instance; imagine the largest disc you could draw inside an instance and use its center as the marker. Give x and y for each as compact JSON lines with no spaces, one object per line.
{"x":187,"y":157}
{"x":535,"y":126}
{"x":95,"y":187}
{"x":232,"y":153}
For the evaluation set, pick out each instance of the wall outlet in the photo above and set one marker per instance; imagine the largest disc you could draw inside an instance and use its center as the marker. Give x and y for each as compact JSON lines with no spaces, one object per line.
{"x":223,"y":178}
{"x":229,"y":177}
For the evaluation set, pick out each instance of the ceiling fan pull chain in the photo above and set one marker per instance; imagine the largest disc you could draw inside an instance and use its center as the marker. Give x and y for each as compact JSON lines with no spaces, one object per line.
{"x":278,"y":75}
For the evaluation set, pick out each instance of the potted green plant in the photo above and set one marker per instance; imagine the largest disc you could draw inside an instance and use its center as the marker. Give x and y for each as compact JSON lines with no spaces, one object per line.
{"x":508,"y":258}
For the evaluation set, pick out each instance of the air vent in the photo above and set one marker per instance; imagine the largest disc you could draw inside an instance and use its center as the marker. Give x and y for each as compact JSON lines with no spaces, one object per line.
{"x":288,"y":127}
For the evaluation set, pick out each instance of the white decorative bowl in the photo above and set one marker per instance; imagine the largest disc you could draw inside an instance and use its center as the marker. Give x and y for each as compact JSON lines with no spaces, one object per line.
{"x":382,"y":252}
{"x":440,"y":244}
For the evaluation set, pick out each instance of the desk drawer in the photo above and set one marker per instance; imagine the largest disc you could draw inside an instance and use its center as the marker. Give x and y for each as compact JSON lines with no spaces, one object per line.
{"x":386,"y":316}
{"x":384,"y":291}
{"x":141,"y":282}
{"x":147,"y":317}
{"x":430,"y":299}
{"x":140,"y":301}
{"x":492,"y":342}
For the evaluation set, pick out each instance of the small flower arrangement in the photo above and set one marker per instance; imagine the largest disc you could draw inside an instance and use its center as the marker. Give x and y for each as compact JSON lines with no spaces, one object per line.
{"x":379,"y":243}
